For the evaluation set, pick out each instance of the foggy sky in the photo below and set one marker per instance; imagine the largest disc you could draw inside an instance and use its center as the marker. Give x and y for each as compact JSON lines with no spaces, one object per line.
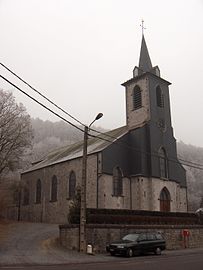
{"x":78,"y":52}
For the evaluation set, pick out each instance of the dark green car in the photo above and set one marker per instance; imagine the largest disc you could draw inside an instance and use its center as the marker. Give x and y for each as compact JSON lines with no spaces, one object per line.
{"x":138,"y":243}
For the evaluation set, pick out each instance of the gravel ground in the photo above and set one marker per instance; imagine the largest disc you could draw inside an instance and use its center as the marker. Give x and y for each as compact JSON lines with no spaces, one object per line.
{"x":36,"y":243}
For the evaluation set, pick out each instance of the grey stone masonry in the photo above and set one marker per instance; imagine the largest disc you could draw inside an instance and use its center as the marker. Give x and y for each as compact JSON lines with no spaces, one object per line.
{"x":98,"y":235}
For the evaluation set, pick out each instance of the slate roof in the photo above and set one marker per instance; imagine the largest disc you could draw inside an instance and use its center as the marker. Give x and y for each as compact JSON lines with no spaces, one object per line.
{"x":143,"y":75}
{"x":145,"y":63}
{"x":95,"y":144}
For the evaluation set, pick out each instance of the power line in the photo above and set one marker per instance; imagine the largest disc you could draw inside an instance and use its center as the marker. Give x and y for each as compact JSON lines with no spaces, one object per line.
{"x":148,"y":153}
{"x":193,"y":163}
{"x":180,"y":159}
{"x":41,"y":104}
{"x":184,"y":162}
{"x":38,"y":92}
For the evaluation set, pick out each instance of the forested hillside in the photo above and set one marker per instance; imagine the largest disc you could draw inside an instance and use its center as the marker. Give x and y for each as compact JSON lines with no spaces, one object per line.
{"x":194,"y":156}
{"x":49,"y":136}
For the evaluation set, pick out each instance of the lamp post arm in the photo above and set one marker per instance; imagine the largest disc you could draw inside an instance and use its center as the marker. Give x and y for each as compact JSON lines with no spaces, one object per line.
{"x":99,"y":115}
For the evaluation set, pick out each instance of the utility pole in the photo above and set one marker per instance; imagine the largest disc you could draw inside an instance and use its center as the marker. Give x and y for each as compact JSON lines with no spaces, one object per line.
{"x":82,"y":233}
{"x":83,"y":194}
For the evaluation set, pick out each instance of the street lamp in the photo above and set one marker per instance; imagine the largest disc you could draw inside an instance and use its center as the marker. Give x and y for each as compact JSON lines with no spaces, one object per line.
{"x":82,"y":235}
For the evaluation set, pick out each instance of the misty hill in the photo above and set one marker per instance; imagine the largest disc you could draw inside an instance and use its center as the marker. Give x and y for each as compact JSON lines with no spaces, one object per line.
{"x":49,"y":136}
{"x":194,"y":155}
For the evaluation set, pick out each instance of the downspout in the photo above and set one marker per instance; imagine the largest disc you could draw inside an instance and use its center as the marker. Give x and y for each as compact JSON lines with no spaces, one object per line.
{"x":131,"y":194}
{"x":186,"y":197}
{"x":97,"y":193}
{"x":99,"y":174}
{"x":43,"y":197}
{"x":19,"y":203}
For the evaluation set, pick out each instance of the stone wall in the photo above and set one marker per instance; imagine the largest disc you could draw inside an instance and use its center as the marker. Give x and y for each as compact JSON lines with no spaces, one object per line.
{"x":99,"y":235}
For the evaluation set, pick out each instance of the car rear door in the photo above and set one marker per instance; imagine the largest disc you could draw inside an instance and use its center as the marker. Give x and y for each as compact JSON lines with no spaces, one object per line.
{"x":142,"y":242}
{"x":151,"y":239}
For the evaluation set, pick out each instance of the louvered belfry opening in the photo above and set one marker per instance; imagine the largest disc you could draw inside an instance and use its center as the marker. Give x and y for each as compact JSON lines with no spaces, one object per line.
{"x":159,"y":97}
{"x":137,"y":98}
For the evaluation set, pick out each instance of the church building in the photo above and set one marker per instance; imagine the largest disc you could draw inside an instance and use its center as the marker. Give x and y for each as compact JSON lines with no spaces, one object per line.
{"x":133,"y":167}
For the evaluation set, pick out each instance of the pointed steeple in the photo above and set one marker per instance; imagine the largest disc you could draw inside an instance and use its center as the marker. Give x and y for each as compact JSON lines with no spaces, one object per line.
{"x":145,"y":63}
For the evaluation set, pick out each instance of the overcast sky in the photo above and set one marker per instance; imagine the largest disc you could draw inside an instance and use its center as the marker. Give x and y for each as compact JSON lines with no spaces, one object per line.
{"x":78,"y":52}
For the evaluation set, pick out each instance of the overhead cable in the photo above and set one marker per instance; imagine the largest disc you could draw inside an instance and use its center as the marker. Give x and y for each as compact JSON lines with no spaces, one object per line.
{"x":183,"y":162}
{"x":38,"y":92}
{"x":41,"y":104}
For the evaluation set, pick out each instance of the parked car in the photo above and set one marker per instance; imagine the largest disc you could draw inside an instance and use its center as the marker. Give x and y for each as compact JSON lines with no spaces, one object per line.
{"x":138,"y":243}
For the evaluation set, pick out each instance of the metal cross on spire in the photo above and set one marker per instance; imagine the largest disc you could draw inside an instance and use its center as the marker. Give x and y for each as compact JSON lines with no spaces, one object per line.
{"x":143,"y":28}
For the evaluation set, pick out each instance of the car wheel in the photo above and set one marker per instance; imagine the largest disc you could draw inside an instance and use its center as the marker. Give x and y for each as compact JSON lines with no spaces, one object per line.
{"x":129,"y":252}
{"x":112,"y":253}
{"x":157,"y":251}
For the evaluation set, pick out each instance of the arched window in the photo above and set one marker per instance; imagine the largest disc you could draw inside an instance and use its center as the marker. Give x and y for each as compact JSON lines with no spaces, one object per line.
{"x":163,"y":163}
{"x":117,"y":182}
{"x":38,"y":191}
{"x":159,"y":97}
{"x":26,"y":196}
{"x":54,"y":189}
{"x":71,"y":185}
{"x":137,"y":98}
{"x":165,"y":200}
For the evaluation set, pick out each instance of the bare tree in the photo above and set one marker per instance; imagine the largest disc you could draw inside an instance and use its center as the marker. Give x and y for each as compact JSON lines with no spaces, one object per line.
{"x":15,"y":132}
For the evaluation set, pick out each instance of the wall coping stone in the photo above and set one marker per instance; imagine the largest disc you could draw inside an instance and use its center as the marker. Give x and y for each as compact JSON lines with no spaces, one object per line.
{"x":112,"y":226}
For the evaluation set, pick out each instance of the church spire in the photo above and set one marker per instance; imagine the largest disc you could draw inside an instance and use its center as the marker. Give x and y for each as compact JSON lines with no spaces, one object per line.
{"x":145,"y":63}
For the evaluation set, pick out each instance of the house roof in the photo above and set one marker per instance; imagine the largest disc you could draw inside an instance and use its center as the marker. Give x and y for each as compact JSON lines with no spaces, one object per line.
{"x":69,"y":152}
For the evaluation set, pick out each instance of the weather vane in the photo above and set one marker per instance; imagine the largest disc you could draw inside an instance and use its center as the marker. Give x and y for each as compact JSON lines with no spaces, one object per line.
{"x":143,"y":28}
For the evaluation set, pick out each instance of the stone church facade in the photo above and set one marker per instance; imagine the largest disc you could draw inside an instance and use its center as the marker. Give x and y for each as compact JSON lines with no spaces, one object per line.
{"x":132,"y":167}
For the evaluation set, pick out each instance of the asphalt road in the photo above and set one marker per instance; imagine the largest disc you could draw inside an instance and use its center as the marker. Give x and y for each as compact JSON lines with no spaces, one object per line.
{"x":166,"y":262}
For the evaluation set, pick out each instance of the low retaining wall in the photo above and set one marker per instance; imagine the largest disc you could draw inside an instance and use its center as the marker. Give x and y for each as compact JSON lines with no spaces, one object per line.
{"x":98,"y":235}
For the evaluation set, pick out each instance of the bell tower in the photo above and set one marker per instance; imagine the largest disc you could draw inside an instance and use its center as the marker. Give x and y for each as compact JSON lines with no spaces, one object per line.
{"x":143,"y":91}
{"x":148,"y":120}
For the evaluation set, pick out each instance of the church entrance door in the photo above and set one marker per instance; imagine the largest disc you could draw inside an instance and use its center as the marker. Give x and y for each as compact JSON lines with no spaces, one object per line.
{"x":165,"y":200}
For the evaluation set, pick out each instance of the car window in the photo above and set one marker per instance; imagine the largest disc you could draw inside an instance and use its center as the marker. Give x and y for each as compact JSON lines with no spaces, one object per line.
{"x":131,"y":237}
{"x":142,"y":237}
{"x":159,"y":236}
{"x":151,"y":236}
